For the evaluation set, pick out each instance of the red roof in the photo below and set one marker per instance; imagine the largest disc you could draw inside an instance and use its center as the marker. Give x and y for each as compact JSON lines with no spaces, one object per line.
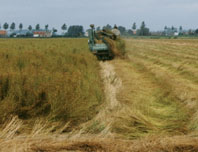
{"x":2,"y":32}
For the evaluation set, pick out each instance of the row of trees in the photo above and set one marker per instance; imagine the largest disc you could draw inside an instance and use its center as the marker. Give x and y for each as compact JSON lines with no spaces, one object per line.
{"x":12,"y":26}
{"x":174,"y":28}
{"x":77,"y":30}
{"x":142,"y":31}
{"x":178,"y":31}
{"x":73,"y":31}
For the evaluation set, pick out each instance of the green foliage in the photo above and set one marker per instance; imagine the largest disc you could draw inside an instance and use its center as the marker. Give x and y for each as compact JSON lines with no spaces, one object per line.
{"x":5,"y":26}
{"x":143,"y":31}
{"x":122,"y":30}
{"x":20,"y":26}
{"x":46,"y":27}
{"x":29,"y":27}
{"x":134,"y":26}
{"x":37,"y":27}
{"x":51,"y":78}
{"x":64,"y":27}
{"x":12,"y":26}
{"x":107,"y":27}
{"x":75,"y":31}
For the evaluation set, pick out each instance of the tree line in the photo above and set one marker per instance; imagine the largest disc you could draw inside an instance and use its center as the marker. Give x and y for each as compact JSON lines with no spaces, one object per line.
{"x":20,"y":27}
{"x":141,"y":31}
{"x":78,"y":30}
{"x":73,"y":31}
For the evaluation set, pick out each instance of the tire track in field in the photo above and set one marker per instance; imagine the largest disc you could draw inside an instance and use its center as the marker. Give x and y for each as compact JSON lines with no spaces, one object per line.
{"x":101,"y":124}
{"x":151,"y":107}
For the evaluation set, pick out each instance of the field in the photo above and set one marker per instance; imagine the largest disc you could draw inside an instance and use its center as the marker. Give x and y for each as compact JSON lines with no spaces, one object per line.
{"x":50,"y":80}
{"x":160,"y":85}
{"x":56,"y":96}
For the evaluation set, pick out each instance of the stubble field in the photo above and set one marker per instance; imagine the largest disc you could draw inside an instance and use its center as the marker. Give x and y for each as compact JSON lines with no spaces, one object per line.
{"x":56,"y":96}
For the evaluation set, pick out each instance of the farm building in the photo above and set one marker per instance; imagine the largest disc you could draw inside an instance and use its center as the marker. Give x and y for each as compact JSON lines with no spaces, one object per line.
{"x":42,"y":33}
{"x":3,"y":33}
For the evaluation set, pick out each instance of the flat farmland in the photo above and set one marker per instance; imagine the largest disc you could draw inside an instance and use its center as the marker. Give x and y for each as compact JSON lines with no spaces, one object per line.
{"x":160,"y":79}
{"x":56,"y":96}
{"x":48,"y":79}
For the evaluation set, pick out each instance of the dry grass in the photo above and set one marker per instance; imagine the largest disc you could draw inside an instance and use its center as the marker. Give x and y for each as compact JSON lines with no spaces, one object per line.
{"x":151,"y":105}
{"x":54,"y":144}
{"x":102,"y":123}
{"x":161,"y":97}
{"x":50,"y":79}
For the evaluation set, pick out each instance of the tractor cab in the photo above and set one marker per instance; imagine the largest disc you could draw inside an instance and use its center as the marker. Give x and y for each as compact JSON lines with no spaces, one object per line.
{"x":98,"y":45}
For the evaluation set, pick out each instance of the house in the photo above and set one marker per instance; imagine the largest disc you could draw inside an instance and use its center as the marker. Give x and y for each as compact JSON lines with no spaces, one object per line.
{"x":42,"y":33}
{"x":3,"y":33}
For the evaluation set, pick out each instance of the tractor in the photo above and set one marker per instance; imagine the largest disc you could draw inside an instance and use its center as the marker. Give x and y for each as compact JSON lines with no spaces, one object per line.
{"x":98,"y":43}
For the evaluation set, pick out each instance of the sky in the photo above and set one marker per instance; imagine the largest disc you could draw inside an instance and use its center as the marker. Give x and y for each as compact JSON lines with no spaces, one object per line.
{"x":155,"y":13}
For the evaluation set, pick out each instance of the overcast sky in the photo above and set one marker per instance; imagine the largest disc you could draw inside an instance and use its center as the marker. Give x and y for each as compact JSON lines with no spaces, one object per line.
{"x":155,"y":13}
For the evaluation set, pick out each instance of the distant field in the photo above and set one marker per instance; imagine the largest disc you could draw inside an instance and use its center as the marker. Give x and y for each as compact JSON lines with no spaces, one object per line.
{"x":160,"y":79}
{"x":57,"y":80}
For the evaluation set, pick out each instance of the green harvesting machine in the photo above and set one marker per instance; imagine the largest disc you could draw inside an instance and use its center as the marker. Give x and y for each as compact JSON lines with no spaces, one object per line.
{"x":99,"y":45}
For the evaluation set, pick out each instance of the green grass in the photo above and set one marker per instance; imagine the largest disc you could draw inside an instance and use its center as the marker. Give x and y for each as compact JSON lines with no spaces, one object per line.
{"x":58,"y":79}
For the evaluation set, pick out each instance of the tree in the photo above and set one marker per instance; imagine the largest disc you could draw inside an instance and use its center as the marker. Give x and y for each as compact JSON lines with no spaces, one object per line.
{"x":143,"y":31}
{"x":20,"y":26}
{"x":46,"y":27}
{"x":75,"y":31}
{"x":165,"y":31}
{"x":143,"y":25}
{"x":107,"y":27}
{"x":172,"y":28}
{"x":12,"y":26}
{"x":122,"y":29}
{"x":64,"y":27}
{"x":37,"y":27}
{"x":6,"y":26}
{"x":130,"y":32}
{"x":180,"y":30}
{"x":54,"y":31}
{"x":134,"y":26}
{"x":190,"y":32}
{"x":98,"y":28}
{"x":196,"y":31}
{"x":29,"y":27}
